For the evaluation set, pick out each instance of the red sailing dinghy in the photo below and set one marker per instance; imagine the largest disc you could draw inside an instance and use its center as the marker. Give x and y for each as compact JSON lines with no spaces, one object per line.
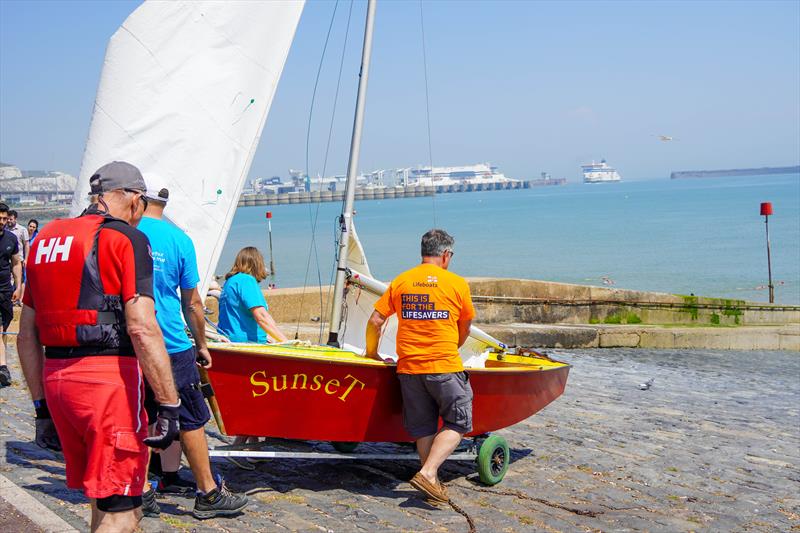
{"x":324,"y":393}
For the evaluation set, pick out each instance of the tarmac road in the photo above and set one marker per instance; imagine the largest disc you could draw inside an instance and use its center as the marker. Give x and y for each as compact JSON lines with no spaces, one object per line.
{"x":713,"y":445}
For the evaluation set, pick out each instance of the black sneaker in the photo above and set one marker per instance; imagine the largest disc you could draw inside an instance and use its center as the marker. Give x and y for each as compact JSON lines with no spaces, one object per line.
{"x":149,"y":504}
{"x":5,"y":376}
{"x":175,"y":485}
{"x":218,"y":502}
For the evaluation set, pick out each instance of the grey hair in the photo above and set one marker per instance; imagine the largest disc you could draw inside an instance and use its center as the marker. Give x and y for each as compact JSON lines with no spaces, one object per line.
{"x":436,"y":242}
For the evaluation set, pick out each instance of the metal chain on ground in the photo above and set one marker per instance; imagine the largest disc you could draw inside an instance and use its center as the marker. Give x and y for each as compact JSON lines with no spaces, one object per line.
{"x":462,"y":512}
{"x":523,"y":496}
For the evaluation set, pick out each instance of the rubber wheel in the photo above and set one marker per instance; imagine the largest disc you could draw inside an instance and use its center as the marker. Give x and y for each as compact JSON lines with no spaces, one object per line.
{"x":345,"y":447}
{"x":493,"y":459}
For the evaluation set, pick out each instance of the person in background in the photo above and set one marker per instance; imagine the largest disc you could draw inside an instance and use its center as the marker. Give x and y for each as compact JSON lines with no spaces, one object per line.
{"x":174,"y":269}
{"x":22,"y":235}
{"x":23,"y":240}
{"x":434,"y":314}
{"x":244,"y":314}
{"x":10,"y":267}
{"x":88,"y":331}
{"x":33,"y":230}
{"x":243,"y":311}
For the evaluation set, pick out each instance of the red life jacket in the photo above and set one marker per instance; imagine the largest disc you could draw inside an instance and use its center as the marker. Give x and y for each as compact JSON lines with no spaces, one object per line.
{"x":74,"y":316}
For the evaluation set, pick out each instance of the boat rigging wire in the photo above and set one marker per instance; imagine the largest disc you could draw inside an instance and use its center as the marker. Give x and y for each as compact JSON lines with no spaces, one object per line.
{"x":312,"y":221}
{"x":323,"y":309}
{"x":313,"y":218}
{"x":427,"y":106}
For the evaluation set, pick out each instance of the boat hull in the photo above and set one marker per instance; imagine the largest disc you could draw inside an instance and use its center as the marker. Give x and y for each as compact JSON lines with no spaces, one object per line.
{"x":355,"y":400}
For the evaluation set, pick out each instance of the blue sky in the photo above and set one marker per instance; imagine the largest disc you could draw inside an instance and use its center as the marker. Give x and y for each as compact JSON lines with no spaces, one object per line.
{"x":528,"y":86}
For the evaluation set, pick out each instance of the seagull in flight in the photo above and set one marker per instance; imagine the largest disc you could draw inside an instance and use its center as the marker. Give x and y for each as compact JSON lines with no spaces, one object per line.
{"x":665,"y":138}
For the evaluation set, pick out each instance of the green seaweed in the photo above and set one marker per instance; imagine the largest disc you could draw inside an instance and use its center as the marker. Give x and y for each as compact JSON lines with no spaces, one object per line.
{"x":715,"y":319}
{"x":733,"y":308}
{"x":613,"y":319}
{"x":632,"y":318}
{"x":690,"y":306}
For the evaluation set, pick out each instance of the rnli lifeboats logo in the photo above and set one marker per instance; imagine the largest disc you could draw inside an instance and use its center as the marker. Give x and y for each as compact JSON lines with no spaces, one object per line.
{"x":263,"y":384}
{"x":420,"y":307}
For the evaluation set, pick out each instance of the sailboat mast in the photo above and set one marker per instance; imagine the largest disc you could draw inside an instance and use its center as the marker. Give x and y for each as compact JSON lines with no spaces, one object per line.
{"x":346,"y":218}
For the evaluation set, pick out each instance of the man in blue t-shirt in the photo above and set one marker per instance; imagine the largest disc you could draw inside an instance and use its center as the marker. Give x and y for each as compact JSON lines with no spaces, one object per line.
{"x":174,"y":268}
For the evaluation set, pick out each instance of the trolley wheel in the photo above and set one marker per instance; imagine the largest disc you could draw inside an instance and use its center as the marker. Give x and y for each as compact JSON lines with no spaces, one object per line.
{"x":345,"y":447}
{"x":493,"y":459}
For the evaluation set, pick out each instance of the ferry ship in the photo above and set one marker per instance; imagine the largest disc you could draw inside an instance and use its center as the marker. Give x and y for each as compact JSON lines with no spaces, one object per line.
{"x":599,"y":173}
{"x":480,"y":174}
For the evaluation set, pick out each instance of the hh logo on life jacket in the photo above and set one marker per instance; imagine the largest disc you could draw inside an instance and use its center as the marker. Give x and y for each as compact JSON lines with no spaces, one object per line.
{"x":53,"y":250}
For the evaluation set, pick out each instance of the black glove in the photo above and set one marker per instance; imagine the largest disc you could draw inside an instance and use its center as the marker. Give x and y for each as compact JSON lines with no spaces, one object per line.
{"x":46,"y":435}
{"x":167,"y":428}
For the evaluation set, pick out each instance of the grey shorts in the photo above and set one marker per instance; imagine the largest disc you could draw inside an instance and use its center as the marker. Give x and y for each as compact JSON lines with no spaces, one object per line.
{"x":426,"y":397}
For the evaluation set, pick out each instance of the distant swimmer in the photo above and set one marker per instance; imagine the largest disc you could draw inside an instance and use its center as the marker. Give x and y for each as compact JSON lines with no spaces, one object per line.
{"x":665,"y":138}
{"x":607,"y":280}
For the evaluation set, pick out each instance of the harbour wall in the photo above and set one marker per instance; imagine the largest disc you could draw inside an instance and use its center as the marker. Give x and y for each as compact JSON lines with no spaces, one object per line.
{"x":386,"y":193}
{"x":763,"y":171}
{"x":546,"y":302}
{"x":560,"y":315}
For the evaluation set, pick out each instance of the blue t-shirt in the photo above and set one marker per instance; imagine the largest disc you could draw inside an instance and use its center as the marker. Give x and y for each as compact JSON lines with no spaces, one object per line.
{"x":174,"y":266}
{"x":240,"y":294}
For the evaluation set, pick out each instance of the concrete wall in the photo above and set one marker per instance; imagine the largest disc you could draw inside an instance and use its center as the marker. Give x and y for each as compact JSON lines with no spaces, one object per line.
{"x":643,"y":336}
{"x":501,"y":301}
{"x":542,"y":302}
{"x":288,"y":306}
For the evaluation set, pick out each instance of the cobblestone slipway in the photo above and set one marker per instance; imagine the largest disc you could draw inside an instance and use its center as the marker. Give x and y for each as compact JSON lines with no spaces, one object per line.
{"x":713,"y":445}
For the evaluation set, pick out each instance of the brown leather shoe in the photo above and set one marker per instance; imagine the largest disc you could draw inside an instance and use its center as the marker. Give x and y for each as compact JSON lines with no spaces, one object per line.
{"x":443,"y":489}
{"x":431,"y":490}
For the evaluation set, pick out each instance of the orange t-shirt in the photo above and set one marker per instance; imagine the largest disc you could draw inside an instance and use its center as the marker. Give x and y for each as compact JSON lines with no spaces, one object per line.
{"x":429,"y":302}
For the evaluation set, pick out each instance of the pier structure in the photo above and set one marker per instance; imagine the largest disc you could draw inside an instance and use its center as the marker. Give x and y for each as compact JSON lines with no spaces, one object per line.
{"x":388,"y":192}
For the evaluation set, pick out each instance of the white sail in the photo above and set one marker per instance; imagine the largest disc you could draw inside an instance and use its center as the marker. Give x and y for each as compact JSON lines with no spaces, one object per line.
{"x":184,"y":93}
{"x":364,"y":291}
{"x":356,"y":258}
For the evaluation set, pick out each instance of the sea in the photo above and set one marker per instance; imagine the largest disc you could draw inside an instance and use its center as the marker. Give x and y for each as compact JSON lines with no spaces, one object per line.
{"x":688,"y":236}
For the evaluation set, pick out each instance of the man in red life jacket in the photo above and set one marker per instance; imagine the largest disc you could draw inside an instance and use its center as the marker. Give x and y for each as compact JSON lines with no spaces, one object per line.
{"x":87,"y":332}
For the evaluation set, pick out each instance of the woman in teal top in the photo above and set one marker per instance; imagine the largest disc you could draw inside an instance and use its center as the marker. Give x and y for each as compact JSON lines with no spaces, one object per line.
{"x":243,"y":315}
{"x":243,"y":311}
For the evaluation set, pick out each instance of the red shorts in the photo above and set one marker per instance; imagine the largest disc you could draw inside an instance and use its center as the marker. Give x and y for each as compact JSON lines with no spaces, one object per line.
{"x":97,"y":406}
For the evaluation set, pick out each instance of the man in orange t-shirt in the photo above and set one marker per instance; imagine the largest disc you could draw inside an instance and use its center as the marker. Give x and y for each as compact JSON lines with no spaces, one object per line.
{"x":434,"y":314}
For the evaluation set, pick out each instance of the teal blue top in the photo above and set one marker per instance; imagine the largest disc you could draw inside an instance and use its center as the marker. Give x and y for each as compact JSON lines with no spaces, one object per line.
{"x":240,"y":295}
{"x":174,"y":266}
